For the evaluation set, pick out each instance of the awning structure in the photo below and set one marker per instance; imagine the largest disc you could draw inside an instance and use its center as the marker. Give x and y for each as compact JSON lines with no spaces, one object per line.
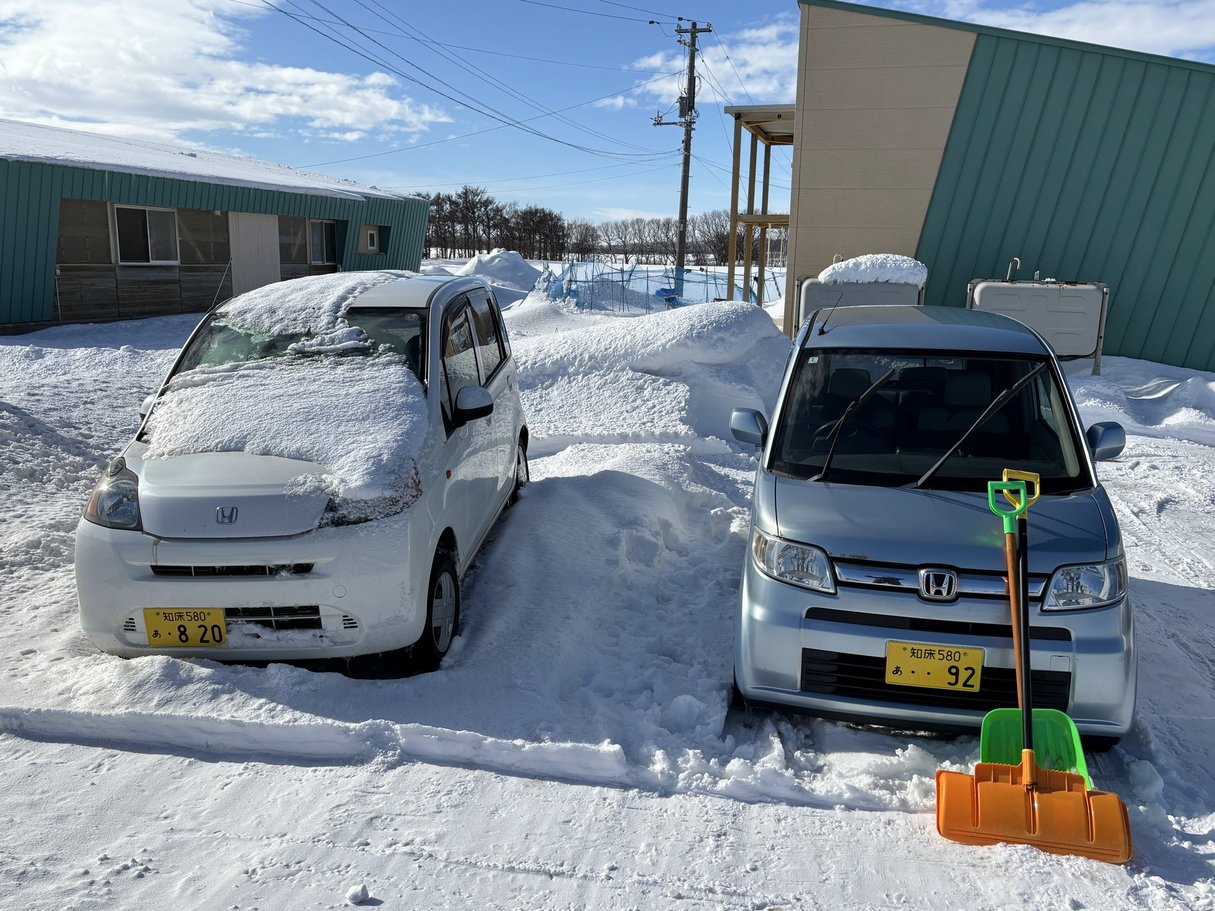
{"x":769,"y":125}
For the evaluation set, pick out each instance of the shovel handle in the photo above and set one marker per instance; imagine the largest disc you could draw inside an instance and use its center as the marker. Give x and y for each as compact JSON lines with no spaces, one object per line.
{"x":1032,"y":480}
{"x":1019,"y":501}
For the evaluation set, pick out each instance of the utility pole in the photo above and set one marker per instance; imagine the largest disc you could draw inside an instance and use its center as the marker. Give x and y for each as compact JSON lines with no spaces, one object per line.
{"x":687,"y":120}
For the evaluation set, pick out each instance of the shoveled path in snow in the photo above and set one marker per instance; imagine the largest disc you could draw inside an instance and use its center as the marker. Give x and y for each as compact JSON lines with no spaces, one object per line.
{"x":575,"y":750}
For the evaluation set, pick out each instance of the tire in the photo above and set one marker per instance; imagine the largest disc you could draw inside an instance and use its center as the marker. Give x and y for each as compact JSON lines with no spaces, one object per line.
{"x":1096,"y":743}
{"x":522,"y":474}
{"x":442,"y":614}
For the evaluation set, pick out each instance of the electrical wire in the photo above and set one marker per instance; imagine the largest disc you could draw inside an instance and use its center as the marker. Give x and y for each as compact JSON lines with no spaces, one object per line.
{"x":587,"y":12}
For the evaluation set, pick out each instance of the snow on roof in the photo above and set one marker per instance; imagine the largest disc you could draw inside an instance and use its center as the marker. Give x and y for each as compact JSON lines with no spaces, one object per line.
{"x":877,"y":267}
{"x":55,"y":145}
{"x":310,"y":305}
{"x":502,"y":267}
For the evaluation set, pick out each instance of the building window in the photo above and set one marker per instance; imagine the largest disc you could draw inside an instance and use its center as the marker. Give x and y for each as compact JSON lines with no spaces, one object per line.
{"x":322,"y":242}
{"x":373,"y":240}
{"x":146,"y":235}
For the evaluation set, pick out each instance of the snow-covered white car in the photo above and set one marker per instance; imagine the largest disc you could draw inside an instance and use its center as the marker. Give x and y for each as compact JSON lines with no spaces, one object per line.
{"x":312,"y":478}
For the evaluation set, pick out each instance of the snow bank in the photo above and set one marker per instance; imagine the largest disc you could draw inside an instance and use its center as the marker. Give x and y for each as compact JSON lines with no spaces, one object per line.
{"x":877,"y":267}
{"x":502,"y":267}
{"x":361,"y":419}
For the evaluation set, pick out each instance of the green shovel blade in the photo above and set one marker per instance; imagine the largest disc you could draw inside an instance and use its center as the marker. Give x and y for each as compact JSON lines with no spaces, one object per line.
{"x":1056,"y":740}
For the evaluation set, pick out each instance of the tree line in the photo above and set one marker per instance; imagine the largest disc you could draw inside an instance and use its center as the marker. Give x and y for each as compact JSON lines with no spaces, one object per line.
{"x":470,"y":221}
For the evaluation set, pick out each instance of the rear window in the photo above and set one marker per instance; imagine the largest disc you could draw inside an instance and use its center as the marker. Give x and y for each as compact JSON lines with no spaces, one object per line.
{"x":918,"y":409}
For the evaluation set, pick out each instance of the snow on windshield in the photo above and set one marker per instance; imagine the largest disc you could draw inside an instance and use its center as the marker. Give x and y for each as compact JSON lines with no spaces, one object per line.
{"x":303,"y":306}
{"x":360,"y":420}
{"x":877,"y":267}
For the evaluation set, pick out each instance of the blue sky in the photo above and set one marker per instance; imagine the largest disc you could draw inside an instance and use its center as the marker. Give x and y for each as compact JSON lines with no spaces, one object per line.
{"x":538,"y":101}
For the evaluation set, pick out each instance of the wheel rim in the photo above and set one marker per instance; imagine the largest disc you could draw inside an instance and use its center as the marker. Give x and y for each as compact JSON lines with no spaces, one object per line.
{"x":443,"y":611}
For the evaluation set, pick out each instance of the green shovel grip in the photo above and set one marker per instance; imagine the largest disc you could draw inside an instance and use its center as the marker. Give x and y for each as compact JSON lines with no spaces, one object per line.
{"x":1000,"y":506}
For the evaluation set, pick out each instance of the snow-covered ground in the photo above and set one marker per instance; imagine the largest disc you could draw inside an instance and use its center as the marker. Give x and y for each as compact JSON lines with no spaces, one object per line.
{"x":576,"y":750}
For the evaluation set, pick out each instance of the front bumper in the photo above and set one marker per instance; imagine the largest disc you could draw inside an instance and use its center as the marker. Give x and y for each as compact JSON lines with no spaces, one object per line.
{"x":341,"y":592}
{"x":825,"y":654}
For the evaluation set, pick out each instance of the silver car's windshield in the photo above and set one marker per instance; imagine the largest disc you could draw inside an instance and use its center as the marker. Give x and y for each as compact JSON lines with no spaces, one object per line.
{"x":918,"y":414}
{"x":369,"y":332}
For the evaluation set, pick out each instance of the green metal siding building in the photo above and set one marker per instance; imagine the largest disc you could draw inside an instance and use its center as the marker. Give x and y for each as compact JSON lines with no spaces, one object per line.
{"x":95,"y":228}
{"x":967,"y":146}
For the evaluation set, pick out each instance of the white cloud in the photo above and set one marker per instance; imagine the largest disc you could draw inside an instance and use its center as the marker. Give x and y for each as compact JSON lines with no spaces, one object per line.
{"x":755,"y":65}
{"x":615,"y":103}
{"x":156,"y":71}
{"x":1175,"y":28}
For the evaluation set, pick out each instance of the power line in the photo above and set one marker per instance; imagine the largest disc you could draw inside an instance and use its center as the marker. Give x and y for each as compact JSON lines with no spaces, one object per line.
{"x":474,"y":50}
{"x":572,"y":183}
{"x":423,"y":145}
{"x":648,"y":11}
{"x":587,"y":12}
{"x":471,"y":103}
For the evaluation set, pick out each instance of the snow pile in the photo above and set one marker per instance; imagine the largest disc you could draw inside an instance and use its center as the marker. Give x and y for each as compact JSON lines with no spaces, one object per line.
{"x":361,"y":419}
{"x":504,"y":268}
{"x":304,"y":306}
{"x":673,"y":375}
{"x":34,"y":142}
{"x":877,"y":267}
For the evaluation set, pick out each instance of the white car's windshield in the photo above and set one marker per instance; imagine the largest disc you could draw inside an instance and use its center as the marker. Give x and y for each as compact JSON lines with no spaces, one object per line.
{"x":367,"y":332}
{"x":921,"y":411}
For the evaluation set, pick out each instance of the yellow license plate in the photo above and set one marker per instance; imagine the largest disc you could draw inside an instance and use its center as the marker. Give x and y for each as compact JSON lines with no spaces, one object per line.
{"x":189,"y":627}
{"x":939,"y":667}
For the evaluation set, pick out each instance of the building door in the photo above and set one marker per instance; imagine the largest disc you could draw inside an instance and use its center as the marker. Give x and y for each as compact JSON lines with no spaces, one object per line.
{"x":255,"y":256}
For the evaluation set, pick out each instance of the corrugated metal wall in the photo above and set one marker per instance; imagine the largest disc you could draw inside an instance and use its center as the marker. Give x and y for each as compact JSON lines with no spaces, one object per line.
{"x":1088,"y":166}
{"x":29,"y":222}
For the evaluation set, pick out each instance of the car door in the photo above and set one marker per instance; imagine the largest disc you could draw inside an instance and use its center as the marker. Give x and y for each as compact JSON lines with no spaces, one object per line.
{"x":499,"y":380}
{"x":469,"y":450}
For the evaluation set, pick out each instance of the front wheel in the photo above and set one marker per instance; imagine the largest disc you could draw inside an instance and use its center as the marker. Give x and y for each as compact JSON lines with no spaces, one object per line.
{"x":523,"y":474}
{"x":442,"y":614}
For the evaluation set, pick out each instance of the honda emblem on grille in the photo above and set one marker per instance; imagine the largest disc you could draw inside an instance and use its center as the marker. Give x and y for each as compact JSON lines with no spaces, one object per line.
{"x":226,"y":515}
{"x":938,"y":584}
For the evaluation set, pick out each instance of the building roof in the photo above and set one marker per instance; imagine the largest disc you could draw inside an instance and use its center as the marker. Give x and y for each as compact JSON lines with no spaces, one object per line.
{"x":773,"y":123}
{"x":865,"y":10}
{"x":74,"y":148}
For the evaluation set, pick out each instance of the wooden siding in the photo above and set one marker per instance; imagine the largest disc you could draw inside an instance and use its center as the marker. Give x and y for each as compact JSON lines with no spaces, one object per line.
{"x":30,"y":198}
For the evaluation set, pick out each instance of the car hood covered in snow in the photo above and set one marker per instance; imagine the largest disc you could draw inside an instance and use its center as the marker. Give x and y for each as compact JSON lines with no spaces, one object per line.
{"x":302,"y":430}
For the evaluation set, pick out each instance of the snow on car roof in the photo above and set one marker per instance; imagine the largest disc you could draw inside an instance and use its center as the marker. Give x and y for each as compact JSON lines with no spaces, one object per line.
{"x":311,"y":305}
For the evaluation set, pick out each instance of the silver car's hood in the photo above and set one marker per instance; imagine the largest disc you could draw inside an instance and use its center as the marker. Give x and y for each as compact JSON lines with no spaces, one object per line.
{"x":918,"y":527}
{"x":225,"y":495}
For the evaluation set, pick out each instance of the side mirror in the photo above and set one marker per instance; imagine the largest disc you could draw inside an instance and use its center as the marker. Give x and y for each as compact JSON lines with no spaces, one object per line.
{"x":146,"y":405}
{"x":749,"y":426}
{"x":1106,"y":440}
{"x":472,"y":402}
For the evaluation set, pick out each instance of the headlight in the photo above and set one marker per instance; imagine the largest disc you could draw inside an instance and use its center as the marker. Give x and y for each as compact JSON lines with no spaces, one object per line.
{"x":797,"y":564}
{"x":1090,"y":585}
{"x":114,"y":502}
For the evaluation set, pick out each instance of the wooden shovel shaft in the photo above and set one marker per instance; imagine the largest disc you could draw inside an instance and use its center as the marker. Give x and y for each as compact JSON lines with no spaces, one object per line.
{"x":1014,"y":604}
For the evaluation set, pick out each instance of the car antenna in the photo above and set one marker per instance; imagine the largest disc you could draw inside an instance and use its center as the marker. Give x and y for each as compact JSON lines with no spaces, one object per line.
{"x":823,"y":327}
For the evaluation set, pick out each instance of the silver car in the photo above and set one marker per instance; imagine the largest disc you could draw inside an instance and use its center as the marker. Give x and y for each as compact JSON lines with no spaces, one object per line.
{"x":874,"y":584}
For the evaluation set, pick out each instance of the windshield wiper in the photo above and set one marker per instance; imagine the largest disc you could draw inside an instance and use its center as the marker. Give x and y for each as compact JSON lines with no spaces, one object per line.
{"x":996,"y":404}
{"x":839,"y":424}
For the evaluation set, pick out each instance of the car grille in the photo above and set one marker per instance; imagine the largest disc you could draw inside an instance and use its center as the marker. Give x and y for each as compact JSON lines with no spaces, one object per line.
{"x":934,"y":625}
{"x":864,"y":677}
{"x":293,"y":569}
{"x":306,"y":616}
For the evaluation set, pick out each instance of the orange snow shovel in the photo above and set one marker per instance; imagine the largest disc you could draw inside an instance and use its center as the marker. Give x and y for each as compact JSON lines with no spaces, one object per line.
{"x":1023,"y":804}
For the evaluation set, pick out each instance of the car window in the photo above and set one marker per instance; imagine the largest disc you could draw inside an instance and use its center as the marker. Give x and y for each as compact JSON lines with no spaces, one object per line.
{"x":926,"y":404}
{"x":459,"y":357}
{"x":489,"y":337}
